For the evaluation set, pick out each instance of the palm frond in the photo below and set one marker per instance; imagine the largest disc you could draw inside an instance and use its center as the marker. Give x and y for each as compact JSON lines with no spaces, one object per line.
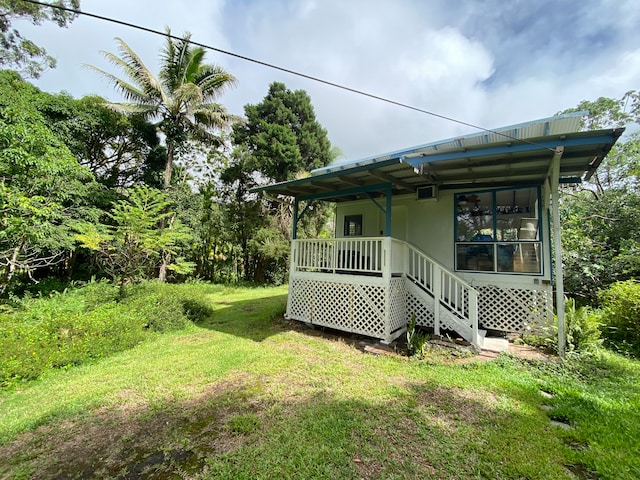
{"x":175,"y":60}
{"x":128,"y":90}
{"x":214,"y":115}
{"x":134,"y":68}
{"x":182,"y":98}
{"x":201,"y":134}
{"x":147,"y":111}
{"x":214,"y":81}
{"x":195,"y":65}
{"x":189,"y":95}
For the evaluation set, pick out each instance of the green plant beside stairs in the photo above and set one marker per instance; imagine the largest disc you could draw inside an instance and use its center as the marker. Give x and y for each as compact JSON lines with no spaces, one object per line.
{"x":416,"y":338}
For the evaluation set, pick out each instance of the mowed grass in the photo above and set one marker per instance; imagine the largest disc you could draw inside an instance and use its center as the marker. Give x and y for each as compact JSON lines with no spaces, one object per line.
{"x":245,"y":394}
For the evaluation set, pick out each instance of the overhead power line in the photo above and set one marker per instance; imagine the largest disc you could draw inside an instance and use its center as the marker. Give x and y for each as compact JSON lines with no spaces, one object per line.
{"x":282,"y":69}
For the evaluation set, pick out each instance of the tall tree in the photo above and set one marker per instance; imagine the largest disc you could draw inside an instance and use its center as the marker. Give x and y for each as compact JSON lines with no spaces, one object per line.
{"x":131,"y":246}
{"x":43,"y":189}
{"x":609,"y":113}
{"x":120,"y":150}
{"x":245,"y":214}
{"x":283,"y":135}
{"x":280,"y":140}
{"x":19,"y":52}
{"x":212,"y":247}
{"x":181,"y":99}
{"x":601,"y":225}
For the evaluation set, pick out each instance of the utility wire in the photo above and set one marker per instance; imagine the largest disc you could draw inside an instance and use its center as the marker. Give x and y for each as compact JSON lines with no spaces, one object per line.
{"x":282,"y":69}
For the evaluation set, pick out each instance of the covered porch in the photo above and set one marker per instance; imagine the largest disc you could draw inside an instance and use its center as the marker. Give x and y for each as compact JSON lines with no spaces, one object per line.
{"x":372,"y":286}
{"x":385,"y":267}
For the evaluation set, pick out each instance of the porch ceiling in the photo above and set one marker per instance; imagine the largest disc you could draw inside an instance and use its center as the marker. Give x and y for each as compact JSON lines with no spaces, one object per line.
{"x":467,"y":162}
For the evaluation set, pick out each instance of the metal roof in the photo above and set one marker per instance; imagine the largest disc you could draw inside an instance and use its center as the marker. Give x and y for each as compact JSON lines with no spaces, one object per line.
{"x":515,"y":155}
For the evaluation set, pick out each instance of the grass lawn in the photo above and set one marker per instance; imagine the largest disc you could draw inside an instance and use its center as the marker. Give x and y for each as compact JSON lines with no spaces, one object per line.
{"x":244,"y":394}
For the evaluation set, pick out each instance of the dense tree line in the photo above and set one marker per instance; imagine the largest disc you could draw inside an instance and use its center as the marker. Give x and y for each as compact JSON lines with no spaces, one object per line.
{"x":600,"y":218}
{"x":158,"y":186}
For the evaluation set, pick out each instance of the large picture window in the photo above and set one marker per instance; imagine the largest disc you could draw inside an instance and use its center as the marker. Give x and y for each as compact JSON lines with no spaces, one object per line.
{"x":498,"y":231}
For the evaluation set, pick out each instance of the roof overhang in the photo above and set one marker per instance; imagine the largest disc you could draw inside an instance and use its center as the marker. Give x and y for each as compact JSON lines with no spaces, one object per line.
{"x":457,"y":164}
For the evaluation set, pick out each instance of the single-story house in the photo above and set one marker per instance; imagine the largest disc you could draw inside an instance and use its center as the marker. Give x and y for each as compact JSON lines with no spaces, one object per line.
{"x":458,"y":232}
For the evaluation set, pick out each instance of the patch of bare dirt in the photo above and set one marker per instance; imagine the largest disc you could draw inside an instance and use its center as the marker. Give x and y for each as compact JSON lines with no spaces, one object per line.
{"x":528,"y":352}
{"x":440,"y":347}
{"x":582,"y":472}
{"x":136,"y":440}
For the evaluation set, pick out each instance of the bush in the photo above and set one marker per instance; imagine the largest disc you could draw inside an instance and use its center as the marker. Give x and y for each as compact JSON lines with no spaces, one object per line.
{"x":416,"y":338}
{"x":583,"y":327}
{"x":81,"y":325}
{"x":167,"y":307}
{"x":621,"y":317}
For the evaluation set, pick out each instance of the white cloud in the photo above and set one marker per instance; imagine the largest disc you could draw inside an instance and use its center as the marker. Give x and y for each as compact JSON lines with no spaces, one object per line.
{"x":490,"y":64}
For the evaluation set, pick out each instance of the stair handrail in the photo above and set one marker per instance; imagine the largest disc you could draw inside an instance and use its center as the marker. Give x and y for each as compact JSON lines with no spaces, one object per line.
{"x":417,"y":250}
{"x":436,"y":289}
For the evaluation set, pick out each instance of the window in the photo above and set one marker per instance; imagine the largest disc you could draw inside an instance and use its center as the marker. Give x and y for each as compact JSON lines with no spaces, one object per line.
{"x":352,"y":225}
{"x":498,"y":231}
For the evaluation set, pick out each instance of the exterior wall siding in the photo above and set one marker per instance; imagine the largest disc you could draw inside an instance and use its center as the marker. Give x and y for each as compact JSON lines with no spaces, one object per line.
{"x":507,"y":302}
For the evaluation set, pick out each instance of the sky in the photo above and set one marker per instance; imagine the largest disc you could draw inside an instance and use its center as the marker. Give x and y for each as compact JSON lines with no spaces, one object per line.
{"x":489,"y":63}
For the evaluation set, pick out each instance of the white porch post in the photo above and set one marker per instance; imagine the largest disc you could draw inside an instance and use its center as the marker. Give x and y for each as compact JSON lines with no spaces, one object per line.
{"x":473,"y":317}
{"x":437,"y":295}
{"x":292,"y":270}
{"x":387,"y":247}
{"x":557,"y":247}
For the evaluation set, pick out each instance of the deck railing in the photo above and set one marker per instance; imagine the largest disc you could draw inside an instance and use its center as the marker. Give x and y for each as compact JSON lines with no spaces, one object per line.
{"x":338,"y":255}
{"x":385,"y":257}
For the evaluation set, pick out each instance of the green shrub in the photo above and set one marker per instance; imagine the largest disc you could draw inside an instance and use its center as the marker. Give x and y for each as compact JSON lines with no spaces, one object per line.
{"x":158,"y":305}
{"x":83,"y":324}
{"x":583,"y":327}
{"x":167,"y":307}
{"x":416,"y":338}
{"x":621,"y":317}
{"x":58,"y":334}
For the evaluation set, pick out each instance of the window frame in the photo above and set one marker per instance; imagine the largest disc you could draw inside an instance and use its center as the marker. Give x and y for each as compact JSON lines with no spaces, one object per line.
{"x":494,"y":244}
{"x":358,"y":218}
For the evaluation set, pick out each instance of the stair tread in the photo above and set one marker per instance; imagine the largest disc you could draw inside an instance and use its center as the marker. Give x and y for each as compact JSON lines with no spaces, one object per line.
{"x":495,"y":344}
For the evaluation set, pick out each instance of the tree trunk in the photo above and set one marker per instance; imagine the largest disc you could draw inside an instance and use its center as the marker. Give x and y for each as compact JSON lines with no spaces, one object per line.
{"x":11,"y":268}
{"x":162,"y":274}
{"x":168,"y":168}
{"x":259,"y":274}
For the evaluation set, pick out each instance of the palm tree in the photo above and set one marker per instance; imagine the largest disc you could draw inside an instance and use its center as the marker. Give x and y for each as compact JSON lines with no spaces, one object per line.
{"x":182,"y":98}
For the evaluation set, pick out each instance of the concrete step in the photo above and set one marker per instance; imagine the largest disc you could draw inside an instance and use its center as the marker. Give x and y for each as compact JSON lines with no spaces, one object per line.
{"x":495,"y":344}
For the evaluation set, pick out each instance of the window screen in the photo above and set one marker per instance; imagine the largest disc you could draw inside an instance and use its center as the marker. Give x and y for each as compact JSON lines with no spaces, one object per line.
{"x":352,"y":225}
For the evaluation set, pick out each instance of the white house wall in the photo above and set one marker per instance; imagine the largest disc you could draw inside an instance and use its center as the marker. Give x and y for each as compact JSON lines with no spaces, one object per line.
{"x":430,"y":227}
{"x":505,"y":298}
{"x":368,"y":210}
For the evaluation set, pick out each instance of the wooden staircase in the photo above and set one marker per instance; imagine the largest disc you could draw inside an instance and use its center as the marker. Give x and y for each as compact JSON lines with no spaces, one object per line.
{"x":454,"y":302}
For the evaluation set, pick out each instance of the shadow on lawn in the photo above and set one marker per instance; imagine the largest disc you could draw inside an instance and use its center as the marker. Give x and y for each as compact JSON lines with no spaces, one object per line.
{"x":239,"y":429}
{"x":255,"y":319}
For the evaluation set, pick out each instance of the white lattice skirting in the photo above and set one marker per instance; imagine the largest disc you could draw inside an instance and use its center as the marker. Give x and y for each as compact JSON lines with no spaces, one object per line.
{"x":351,"y":307}
{"x":363,"y":304}
{"x":513,"y":309}
{"x":421,"y":305}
